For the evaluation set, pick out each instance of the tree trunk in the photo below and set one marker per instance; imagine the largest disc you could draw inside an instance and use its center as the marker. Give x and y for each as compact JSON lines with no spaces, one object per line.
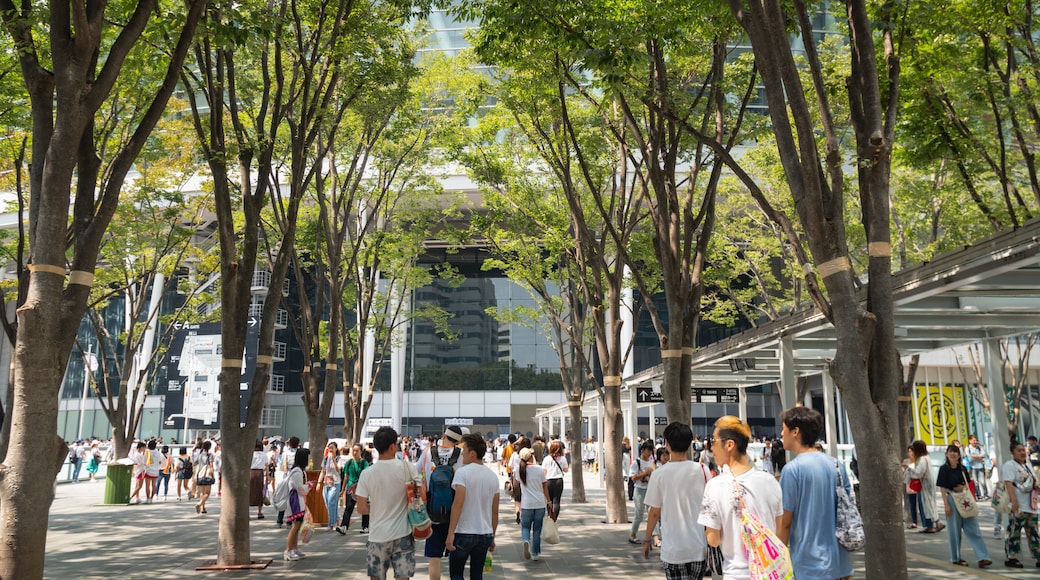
{"x":35,"y":453}
{"x":617,"y":509}
{"x":574,"y":438}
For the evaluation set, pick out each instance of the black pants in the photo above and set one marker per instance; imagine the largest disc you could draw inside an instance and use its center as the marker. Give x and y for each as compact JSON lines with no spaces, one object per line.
{"x":555,"y":494}
{"x":349,"y":511}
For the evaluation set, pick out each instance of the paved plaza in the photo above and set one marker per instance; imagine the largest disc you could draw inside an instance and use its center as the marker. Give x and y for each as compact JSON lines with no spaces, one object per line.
{"x":168,"y":540}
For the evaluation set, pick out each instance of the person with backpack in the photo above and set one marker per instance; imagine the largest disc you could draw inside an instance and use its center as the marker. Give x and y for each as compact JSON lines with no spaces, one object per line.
{"x":185,"y":471}
{"x":437,"y":465}
{"x":292,"y":497}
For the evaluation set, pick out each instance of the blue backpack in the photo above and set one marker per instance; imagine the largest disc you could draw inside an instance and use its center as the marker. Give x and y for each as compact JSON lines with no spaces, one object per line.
{"x":439,"y":494}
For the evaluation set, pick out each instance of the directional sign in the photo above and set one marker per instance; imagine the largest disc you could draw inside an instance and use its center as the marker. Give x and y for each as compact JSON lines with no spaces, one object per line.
{"x":647,"y":395}
{"x":716,"y":395}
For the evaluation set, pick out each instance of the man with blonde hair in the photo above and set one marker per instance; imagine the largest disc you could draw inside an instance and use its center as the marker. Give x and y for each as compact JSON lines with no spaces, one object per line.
{"x":757,"y":490}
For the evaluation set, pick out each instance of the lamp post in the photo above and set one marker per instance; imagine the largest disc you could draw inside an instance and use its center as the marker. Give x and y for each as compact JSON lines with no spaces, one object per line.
{"x":169,"y":421}
{"x":90,"y":364}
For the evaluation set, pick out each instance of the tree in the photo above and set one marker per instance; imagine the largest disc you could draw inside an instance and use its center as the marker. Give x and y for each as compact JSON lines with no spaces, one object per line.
{"x":546,"y":186}
{"x":148,"y":247}
{"x":71,"y":58}
{"x":866,"y":364}
{"x":972,"y":105}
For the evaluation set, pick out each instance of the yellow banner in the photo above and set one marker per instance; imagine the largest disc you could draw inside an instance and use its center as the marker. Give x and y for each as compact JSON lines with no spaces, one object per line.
{"x":940,"y":414}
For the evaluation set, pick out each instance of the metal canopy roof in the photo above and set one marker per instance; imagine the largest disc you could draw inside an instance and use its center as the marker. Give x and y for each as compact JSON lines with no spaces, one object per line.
{"x":988,"y":290}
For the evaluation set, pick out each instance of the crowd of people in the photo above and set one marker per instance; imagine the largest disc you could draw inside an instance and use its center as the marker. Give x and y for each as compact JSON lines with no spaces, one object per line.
{"x":972,"y":467}
{"x":694,"y":495}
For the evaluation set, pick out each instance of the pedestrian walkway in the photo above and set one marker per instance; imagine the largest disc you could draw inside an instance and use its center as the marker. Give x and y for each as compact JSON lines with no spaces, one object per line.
{"x":169,"y":540}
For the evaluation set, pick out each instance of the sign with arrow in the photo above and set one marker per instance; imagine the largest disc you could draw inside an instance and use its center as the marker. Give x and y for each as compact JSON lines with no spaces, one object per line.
{"x":647,"y":395}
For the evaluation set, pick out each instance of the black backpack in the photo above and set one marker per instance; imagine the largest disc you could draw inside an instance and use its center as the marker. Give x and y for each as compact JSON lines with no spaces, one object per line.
{"x":440,"y":494}
{"x":186,"y":470}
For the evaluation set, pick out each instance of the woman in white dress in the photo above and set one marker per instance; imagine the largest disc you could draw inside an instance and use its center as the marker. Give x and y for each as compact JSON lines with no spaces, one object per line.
{"x":921,"y":468}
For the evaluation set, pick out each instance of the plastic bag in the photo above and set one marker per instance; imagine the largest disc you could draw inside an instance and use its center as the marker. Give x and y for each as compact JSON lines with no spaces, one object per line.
{"x":550,"y":531}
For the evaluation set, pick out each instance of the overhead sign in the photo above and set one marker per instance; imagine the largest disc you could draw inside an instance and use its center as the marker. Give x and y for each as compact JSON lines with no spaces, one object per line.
{"x":459,"y":422}
{"x":647,"y":395}
{"x":716,"y":395}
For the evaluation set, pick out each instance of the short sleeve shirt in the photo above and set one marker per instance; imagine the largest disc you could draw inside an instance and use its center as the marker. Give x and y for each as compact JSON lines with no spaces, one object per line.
{"x":1022,"y":478}
{"x":808,"y":483}
{"x":532,"y":497}
{"x":481,"y":485}
{"x":720,"y":510}
{"x":384,"y":485}
{"x":677,"y":489}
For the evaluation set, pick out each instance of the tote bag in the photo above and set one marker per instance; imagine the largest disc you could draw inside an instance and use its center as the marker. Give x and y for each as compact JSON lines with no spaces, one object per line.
{"x":768,"y":558}
{"x":964,"y":500}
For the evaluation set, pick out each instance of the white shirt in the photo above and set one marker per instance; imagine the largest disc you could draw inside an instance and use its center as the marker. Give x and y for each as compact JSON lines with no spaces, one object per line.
{"x":259,"y":460}
{"x":532,"y":496}
{"x":481,"y":485}
{"x":554,"y":469}
{"x":384,"y":485}
{"x":638,"y":466}
{"x":720,"y":510}
{"x":677,"y":489}
{"x":1021,"y":477}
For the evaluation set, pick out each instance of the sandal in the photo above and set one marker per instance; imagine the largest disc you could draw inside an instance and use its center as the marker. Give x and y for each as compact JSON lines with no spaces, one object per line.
{"x":912,"y":527}
{"x":634,"y":541}
{"x":961,"y":563}
{"x":928,"y":531}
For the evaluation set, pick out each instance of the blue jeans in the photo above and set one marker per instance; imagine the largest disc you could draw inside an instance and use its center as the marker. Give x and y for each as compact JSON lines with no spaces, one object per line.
{"x":331,"y":495}
{"x":77,"y":464}
{"x":981,"y":488}
{"x":640,"y":496}
{"x":970,"y":527}
{"x":472,"y":548}
{"x":531,"y":528}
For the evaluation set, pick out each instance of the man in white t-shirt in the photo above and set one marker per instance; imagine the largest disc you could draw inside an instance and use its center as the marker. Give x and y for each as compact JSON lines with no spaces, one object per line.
{"x":381,"y":493}
{"x":474,"y":513}
{"x":720,"y":511}
{"x":675,"y":495}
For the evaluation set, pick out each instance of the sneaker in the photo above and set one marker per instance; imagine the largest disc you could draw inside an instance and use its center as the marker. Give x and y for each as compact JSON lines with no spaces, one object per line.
{"x":527,"y":550}
{"x":364,"y":530}
{"x":290,"y":555}
{"x":536,"y":557}
{"x":1013,"y":563}
{"x":299,"y":554}
{"x":340,"y":531}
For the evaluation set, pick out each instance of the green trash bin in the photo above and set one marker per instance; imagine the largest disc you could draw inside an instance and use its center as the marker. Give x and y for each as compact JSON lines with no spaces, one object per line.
{"x":117,"y":483}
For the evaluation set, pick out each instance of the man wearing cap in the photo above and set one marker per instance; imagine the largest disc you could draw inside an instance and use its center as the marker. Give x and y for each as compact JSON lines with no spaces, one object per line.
{"x":447,"y":454}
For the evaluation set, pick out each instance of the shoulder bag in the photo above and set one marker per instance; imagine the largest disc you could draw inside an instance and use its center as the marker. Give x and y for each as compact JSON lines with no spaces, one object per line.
{"x":1001,"y":502}
{"x":418,"y":517}
{"x":964,"y":500}
{"x":849,"y":524}
{"x":767,"y":556}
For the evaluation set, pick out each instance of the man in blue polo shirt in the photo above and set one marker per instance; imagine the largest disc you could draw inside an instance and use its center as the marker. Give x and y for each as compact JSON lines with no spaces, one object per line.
{"x":808,"y":483}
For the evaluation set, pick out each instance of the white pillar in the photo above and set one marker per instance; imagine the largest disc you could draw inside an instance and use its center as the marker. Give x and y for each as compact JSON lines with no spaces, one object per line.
{"x":742,"y":404}
{"x":633,"y":418}
{"x":997,"y":411}
{"x":398,"y":357}
{"x":788,"y":381}
{"x":652,"y":433}
{"x":628,"y":328}
{"x":829,"y":414}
